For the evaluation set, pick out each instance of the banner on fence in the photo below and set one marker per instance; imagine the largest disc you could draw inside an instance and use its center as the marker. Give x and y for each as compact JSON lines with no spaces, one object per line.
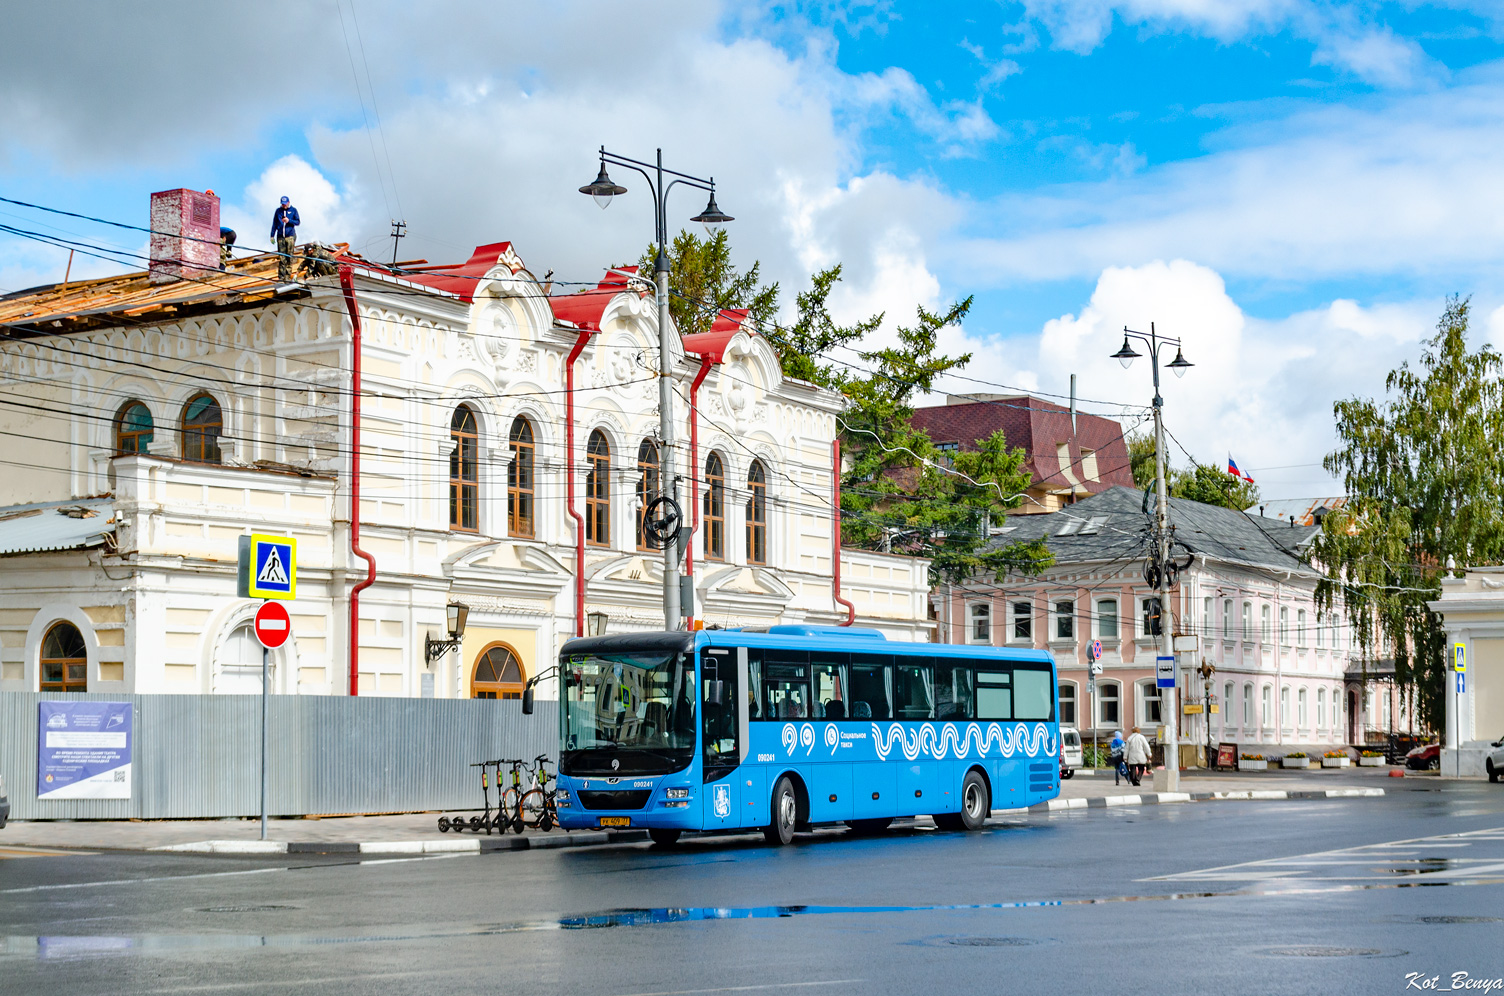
{"x":84,"y":750}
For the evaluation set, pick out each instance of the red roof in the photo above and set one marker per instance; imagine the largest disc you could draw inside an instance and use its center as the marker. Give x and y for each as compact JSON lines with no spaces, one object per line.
{"x":1038,"y":427}
{"x":712,"y":345}
{"x":584,"y":309}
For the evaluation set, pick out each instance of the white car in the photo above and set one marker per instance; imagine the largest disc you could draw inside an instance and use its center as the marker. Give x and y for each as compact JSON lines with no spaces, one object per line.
{"x":1070,"y":751}
{"x":1494,"y":763}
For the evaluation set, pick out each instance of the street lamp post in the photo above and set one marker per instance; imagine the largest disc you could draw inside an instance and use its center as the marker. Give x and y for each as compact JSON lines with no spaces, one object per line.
{"x":603,"y":189}
{"x":1170,"y":782}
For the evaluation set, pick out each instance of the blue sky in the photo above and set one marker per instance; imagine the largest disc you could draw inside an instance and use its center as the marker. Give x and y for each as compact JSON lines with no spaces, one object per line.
{"x":1293,"y":187}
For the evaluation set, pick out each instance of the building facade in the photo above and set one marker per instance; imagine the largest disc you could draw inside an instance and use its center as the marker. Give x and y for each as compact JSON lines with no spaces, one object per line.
{"x":1269,"y":671}
{"x":152,"y":419}
{"x":1472,"y":609}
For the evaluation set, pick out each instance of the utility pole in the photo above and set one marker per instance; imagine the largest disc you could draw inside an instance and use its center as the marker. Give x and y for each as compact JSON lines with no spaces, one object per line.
{"x":603,"y":189}
{"x":1161,"y":568}
{"x":399,"y":229}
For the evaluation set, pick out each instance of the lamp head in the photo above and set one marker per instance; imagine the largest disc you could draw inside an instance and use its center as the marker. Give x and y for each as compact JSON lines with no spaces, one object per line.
{"x":712,"y":217}
{"x":1180,"y":364}
{"x":595,"y":623}
{"x":603,"y":188}
{"x":455,"y":614}
{"x":1126,"y":355}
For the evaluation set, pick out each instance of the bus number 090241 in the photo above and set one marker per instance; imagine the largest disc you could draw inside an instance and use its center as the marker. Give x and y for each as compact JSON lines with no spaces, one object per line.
{"x":761,"y":758}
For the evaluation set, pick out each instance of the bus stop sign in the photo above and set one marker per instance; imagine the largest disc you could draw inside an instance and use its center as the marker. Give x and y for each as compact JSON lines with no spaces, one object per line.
{"x":1164,"y":672}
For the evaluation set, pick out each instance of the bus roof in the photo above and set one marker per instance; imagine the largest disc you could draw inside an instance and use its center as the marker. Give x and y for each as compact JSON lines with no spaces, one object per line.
{"x":830,"y":639}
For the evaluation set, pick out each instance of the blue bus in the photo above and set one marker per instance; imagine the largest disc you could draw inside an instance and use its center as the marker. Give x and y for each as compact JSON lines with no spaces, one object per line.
{"x":791,"y":727}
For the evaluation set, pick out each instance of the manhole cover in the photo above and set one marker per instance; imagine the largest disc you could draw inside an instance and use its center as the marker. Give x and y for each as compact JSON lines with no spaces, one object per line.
{"x":244,"y":909}
{"x":991,"y":942}
{"x":1315,"y":951}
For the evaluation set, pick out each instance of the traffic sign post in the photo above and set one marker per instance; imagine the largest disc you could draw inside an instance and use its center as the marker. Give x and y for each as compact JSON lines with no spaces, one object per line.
{"x":272,"y":626}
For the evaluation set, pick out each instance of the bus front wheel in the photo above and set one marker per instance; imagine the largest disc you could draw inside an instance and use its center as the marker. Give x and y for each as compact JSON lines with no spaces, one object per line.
{"x":784,"y":814}
{"x":976,"y":806}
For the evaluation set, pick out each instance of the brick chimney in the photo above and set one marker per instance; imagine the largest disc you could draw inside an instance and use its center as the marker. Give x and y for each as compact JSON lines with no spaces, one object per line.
{"x":185,"y":235}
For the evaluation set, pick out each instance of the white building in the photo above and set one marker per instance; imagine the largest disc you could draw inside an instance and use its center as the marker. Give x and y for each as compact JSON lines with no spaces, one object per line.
{"x":152,"y":419}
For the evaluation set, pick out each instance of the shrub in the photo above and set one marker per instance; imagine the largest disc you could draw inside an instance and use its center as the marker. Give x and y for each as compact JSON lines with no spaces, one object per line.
{"x":1251,"y":757}
{"x":1335,"y":753}
{"x":1296,"y":753}
{"x":1373,"y":753}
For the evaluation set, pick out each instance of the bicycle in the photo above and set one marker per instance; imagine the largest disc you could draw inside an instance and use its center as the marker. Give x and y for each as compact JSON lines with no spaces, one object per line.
{"x":508,"y":812}
{"x":536,"y":806}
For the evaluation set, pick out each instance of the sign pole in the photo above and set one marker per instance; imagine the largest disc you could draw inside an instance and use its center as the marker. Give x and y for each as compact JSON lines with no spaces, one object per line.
{"x":265,"y":655}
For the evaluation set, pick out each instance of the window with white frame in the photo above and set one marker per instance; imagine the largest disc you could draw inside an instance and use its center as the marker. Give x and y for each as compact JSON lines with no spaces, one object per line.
{"x":1067,"y":703}
{"x":1300,"y":709}
{"x":1206,"y":617}
{"x":1266,"y":627}
{"x":981,"y":623}
{"x":1022,"y":630}
{"x":1107,"y":618}
{"x":1320,"y":631}
{"x":1248,"y":707}
{"x":1266,"y":702}
{"x":1150,"y":620}
{"x":1321,"y":707}
{"x":1229,"y":699}
{"x":1065,"y":619}
{"x":1336,"y":622}
{"x":1108,"y":713}
{"x":1284,"y":707}
{"x":1284,"y":625}
{"x":1227,"y":619}
{"x":1148,"y":703}
{"x":1300,"y":627}
{"x":1247,"y":622}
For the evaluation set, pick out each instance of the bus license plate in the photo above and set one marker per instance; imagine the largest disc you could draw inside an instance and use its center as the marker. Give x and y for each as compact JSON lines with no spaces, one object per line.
{"x":616,"y":821}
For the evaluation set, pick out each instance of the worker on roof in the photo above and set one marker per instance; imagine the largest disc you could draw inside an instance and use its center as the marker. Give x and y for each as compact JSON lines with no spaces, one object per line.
{"x":285,"y":222}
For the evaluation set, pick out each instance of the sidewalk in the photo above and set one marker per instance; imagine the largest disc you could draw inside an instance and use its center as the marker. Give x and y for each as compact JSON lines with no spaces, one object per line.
{"x":418,"y":833}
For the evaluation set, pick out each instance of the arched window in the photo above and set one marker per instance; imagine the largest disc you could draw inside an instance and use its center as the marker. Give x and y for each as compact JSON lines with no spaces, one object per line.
{"x":1229,"y":698}
{"x":520,"y":480}
{"x":757,"y":514}
{"x":464,"y":471}
{"x":648,"y":478}
{"x":1321,"y":707}
{"x":1107,"y":703}
{"x":1267,"y":705}
{"x":133,"y":429}
{"x":1067,"y":703}
{"x":1302,"y":717}
{"x":203,"y":422}
{"x":715,"y":508}
{"x":1149,"y":703}
{"x":1248,"y":707}
{"x":65,"y":662}
{"x":498,"y":674}
{"x":237,"y":664}
{"x":598,"y":490}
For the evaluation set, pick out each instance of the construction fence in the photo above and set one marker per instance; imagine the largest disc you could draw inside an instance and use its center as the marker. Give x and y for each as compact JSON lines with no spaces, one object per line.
{"x":198,"y":756}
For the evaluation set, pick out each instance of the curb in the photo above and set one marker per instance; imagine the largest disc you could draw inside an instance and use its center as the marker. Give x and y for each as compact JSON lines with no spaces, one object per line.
{"x":1159,"y":798}
{"x":472,"y":846}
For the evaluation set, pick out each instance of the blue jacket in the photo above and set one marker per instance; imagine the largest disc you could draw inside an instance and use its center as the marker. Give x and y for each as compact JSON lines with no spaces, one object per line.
{"x":285,"y":222}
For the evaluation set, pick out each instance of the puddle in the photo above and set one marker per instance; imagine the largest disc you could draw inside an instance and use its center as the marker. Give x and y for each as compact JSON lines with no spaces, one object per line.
{"x":1317,"y":951}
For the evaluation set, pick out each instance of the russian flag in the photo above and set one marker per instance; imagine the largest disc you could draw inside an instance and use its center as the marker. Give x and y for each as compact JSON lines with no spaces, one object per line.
{"x":1232,"y":468}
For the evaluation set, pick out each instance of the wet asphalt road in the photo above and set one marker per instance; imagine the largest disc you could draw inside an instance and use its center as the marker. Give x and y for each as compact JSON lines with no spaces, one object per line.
{"x":1321,"y":897}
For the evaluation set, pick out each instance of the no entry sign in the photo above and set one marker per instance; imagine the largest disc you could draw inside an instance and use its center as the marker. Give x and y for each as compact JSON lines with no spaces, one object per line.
{"x":273,"y":625}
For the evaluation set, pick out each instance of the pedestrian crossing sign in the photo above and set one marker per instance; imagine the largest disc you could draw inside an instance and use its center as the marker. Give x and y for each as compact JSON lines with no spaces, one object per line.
{"x":268,"y":566}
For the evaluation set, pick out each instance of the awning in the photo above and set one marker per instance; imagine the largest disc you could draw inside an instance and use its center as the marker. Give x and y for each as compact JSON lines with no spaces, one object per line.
{"x":56,"y":525}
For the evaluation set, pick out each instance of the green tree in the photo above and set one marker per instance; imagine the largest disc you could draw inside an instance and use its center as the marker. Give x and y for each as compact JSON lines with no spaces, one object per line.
{"x":703,"y":281}
{"x":1214,"y":486}
{"x":1424,"y":475}
{"x":803,"y":345}
{"x":1141,"y":459}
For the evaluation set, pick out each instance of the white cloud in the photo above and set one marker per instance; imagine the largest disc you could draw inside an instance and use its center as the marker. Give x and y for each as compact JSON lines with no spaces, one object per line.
{"x":325,"y":212}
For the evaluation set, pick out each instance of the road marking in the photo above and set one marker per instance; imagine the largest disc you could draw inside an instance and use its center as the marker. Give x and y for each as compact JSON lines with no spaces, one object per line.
{"x":747,"y":989}
{"x":135,"y":881}
{"x":1469,"y":856}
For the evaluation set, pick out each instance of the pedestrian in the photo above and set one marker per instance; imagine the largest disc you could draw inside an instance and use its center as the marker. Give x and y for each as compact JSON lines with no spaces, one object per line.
{"x":1138,"y":754}
{"x":1115,"y":755}
{"x":226,"y":242}
{"x":285,"y":222}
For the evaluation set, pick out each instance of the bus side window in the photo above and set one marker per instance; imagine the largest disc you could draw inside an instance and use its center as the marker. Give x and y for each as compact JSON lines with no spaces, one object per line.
{"x":754,"y":683}
{"x":994,"y":694}
{"x":828,"y":683}
{"x":953,"y":698}
{"x":1033,"y":698}
{"x":786,"y":684}
{"x":913,"y":692}
{"x":870,"y":698}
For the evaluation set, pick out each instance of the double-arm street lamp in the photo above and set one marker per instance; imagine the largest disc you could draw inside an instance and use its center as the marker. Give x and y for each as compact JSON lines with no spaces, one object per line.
{"x":1161,"y":557}
{"x":603,"y":189}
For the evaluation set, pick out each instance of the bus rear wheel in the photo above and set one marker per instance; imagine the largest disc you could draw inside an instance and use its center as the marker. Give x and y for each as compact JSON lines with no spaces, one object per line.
{"x":664,"y":837}
{"x":976,"y":805}
{"x":870,"y":826}
{"x":784,"y":814}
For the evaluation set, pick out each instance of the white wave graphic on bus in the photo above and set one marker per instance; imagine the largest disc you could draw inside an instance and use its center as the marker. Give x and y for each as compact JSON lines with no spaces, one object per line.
{"x":948,"y":739}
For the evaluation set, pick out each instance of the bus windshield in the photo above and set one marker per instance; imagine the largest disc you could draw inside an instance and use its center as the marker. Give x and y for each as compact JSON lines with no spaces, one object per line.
{"x":634,"y":709}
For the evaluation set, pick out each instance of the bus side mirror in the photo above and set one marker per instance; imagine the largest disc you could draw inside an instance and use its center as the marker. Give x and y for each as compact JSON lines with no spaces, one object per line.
{"x":527,"y":701}
{"x":716,"y":692}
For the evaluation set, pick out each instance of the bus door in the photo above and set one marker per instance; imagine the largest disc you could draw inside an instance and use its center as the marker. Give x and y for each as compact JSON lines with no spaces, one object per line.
{"x":920,"y":786}
{"x":723,"y":732}
{"x":874,"y":782}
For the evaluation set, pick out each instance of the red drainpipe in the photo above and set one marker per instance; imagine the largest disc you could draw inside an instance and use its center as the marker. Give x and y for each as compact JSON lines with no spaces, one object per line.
{"x":835,"y":529}
{"x":347,"y":281}
{"x":694,"y":469}
{"x":579,"y":520}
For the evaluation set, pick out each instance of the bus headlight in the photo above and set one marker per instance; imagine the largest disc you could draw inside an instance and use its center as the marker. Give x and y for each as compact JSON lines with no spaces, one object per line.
{"x":677,"y":793}
{"x":562,"y":800}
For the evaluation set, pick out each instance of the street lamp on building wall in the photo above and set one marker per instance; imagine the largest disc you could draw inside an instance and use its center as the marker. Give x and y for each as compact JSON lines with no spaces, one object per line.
{"x":1160,"y":575}
{"x":455,"y":614}
{"x":603,"y":189}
